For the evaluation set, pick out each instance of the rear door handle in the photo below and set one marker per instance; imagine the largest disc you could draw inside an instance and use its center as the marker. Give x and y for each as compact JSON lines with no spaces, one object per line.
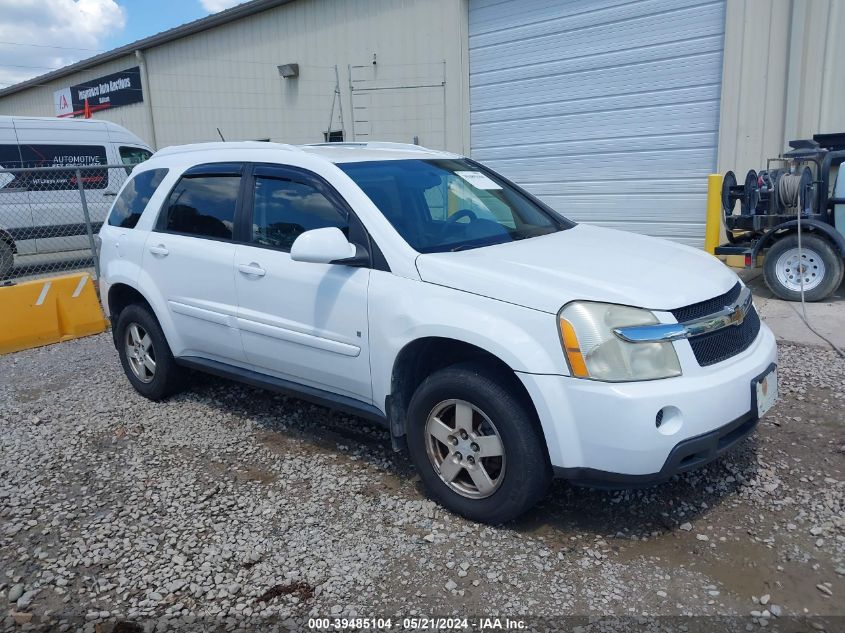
{"x":252,"y":270}
{"x":109,"y":194}
{"x":159,"y":250}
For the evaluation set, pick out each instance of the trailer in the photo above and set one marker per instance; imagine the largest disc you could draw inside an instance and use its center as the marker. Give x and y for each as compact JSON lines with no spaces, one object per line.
{"x":792,"y":213}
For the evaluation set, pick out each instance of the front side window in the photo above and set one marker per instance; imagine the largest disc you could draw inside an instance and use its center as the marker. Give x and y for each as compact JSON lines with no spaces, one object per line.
{"x":134,"y":198}
{"x":284,"y":209}
{"x":450,"y":204}
{"x":133,"y":155}
{"x":203,"y":206}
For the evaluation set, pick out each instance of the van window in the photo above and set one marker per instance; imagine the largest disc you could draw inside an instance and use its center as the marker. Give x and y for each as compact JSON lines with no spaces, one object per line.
{"x":134,"y":198}
{"x":284,"y":209}
{"x":70,"y":156}
{"x":10,"y":156}
{"x":133,"y":155}
{"x":203,"y":206}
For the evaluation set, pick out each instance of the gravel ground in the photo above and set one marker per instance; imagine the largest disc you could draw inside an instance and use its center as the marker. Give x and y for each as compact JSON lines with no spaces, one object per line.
{"x":228,"y":507}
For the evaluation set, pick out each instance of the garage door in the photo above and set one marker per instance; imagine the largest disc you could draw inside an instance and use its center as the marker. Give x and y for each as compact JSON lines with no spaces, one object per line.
{"x":608,"y":110}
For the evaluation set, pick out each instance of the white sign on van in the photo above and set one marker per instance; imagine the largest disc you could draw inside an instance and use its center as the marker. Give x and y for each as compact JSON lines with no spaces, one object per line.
{"x":63,"y":102}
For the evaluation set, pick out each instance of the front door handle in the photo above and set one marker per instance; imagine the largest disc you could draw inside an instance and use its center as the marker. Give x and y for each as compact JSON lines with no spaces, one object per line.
{"x":252,"y":270}
{"x":159,"y":250}
{"x":109,"y":194}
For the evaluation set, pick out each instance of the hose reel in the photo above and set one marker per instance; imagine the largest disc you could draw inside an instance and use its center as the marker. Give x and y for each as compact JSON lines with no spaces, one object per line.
{"x":796,"y":191}
{"x":748,"y":194}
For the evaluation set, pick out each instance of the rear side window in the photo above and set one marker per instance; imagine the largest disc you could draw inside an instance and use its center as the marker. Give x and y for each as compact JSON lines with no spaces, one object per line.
{"x":284,"y":209}
{"x":203,"y":206}
{"x":134,"y":198}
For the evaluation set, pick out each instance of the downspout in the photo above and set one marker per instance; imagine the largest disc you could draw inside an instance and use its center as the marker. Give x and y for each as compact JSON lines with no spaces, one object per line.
{"x":148,"y":97}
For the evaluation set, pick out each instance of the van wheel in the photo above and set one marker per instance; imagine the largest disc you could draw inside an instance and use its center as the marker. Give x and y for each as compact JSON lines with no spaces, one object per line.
{"x":7,"y":259}
{"x":820,"y":267}
{"x":477,"y":448}
{"x":145,"y":354}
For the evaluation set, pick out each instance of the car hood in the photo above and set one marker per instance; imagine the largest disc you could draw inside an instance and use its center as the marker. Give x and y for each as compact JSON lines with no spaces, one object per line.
{"x":584,"y":262}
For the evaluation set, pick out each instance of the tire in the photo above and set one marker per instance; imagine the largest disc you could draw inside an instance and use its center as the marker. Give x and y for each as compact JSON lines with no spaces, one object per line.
{"x":520,"y":476}
{"x":135,"y":325}
{"x":822,"y":265}
{"x":7,"y":259}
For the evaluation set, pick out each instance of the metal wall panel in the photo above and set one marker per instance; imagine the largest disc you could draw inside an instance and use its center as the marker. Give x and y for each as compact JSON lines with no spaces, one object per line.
{"x":608,"y":110}
{"x":226,"y":76}
{"x":784,"y":77}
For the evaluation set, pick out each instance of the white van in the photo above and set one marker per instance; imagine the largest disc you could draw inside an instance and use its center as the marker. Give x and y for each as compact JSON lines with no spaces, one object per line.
{"x":40,"y":212}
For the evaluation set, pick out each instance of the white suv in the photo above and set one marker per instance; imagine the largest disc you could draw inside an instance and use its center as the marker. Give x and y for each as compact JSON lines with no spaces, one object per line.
{"x":502,"y":343}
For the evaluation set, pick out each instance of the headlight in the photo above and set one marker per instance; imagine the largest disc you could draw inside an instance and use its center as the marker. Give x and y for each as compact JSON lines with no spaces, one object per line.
{"x":594,"y":351}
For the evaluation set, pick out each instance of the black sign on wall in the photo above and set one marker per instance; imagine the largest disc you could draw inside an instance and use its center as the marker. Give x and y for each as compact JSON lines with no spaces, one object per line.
{"x":112,"y":91}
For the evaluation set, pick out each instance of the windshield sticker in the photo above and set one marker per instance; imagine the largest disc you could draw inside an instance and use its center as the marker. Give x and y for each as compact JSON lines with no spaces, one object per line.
{"x":477,"y":180}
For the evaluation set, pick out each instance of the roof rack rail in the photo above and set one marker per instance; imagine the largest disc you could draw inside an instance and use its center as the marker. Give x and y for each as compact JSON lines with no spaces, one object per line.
{"x":373,"y":144}
{"x":192,"y":147}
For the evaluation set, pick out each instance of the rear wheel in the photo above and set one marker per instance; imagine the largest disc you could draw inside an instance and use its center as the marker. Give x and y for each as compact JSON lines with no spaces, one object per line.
{"x":818,"y":266}
{"x":145,"y":354}
{"x":477,"y":447}
{"x":7,"y":259}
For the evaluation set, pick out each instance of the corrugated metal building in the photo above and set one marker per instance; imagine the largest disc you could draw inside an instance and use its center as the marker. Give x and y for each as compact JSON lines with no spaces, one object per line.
{"x":398,"y":66}
{"x":613,"y":111}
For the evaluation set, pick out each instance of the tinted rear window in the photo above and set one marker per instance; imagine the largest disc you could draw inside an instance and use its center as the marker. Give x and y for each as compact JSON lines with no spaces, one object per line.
{"x":134,"y":198}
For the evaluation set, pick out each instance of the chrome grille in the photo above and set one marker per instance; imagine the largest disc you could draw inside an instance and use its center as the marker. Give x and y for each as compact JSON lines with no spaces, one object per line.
{"x":723,"y":344}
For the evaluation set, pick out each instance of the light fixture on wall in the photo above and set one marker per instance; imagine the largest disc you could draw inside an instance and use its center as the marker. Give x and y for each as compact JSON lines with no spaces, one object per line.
{"x":288,"y":71}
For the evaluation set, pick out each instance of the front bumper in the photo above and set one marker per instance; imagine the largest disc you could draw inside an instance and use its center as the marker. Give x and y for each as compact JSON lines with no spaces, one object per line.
{"x":606,"y":433}
{"x":687,"y":455}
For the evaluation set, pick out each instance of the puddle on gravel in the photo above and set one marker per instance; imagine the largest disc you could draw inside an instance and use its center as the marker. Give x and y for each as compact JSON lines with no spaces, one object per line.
{"x":251,"y":473}
{"x":31,"y":394}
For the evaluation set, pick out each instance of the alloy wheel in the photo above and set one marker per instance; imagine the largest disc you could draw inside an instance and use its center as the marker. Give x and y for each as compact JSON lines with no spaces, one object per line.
{"x":465,"y":448}
{"x":140,"y":352}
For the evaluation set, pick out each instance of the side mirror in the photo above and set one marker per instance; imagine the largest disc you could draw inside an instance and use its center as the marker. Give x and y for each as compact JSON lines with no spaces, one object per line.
{"x":327,"y":246}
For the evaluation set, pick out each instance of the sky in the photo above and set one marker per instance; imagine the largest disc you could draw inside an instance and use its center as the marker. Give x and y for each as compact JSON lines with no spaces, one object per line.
{"x":37,"y":36}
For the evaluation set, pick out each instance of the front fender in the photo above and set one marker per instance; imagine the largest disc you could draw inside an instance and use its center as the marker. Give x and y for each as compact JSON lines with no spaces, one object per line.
{"x":402,"y":310}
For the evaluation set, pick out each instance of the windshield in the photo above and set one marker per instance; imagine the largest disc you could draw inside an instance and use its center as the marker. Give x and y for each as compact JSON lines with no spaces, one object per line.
{"x":450,"y":204}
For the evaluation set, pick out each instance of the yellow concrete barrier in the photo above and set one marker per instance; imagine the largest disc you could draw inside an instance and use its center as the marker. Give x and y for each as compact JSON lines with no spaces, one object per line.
{"x":46,"y":311}
{"x":713,"y":227}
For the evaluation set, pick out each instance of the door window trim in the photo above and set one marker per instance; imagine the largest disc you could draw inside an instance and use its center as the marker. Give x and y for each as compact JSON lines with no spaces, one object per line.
{"x":220,"y":169}
{"x":358,"y":233}
{"x":242,"y":228}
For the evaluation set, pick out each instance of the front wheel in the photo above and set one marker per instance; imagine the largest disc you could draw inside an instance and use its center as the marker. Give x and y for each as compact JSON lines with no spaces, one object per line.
{"x":818,"y":266}
{"x":477,"y":447}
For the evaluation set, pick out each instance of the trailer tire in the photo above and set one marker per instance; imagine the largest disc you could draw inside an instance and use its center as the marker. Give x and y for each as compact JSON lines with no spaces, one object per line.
{"x":822,"y":268}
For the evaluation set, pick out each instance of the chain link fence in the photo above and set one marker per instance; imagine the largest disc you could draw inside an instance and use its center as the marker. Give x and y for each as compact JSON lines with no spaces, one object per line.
{"x":50,"y":217}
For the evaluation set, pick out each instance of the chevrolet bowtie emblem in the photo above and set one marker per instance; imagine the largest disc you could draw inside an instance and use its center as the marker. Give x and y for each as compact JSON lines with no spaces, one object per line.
{"x":736,"y":314}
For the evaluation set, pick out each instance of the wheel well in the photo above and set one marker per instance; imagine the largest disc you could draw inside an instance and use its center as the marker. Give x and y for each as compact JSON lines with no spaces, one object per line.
{"x":121,"y":296}
{"x":422,"y":357}
{"x":819,"y":231}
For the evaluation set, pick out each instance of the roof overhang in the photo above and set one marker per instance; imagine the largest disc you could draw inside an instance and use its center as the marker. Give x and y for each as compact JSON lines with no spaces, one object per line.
{"x":197,"y":26}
